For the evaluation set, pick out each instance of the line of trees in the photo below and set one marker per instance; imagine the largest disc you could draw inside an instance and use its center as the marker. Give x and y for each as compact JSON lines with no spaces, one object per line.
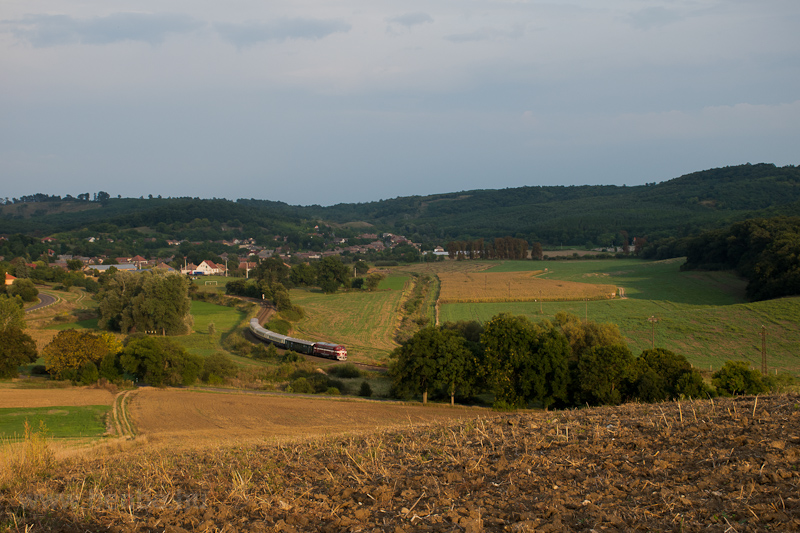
{"x":558,"y":364}
{"x":498,"y":248}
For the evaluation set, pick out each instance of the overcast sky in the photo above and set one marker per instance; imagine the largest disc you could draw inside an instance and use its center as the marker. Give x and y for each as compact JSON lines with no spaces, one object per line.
{"x":328,"y":101}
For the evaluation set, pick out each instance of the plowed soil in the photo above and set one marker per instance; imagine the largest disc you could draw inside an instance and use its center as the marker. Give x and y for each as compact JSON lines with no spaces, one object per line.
{"x":723,"y":466}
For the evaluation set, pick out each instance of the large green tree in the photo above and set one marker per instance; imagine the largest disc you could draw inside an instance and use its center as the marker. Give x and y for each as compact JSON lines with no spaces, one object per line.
{"x":603,"y":373}
{"x":146,"y":301}
{"x":432,"y":358}
{"x":525,"y":362}
{"x":332,"y":274}
{"x":71,"y":349}
{"x":160,"y":362}
{"x":16,"y":347}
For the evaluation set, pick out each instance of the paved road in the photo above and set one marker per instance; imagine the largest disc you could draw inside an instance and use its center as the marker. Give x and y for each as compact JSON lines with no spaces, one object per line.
{"x":44,"y":301}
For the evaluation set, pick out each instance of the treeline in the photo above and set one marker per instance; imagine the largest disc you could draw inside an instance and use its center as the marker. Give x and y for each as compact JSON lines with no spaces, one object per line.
{"x":559,"y":364}
{"x":764,"y":251}
{"x":40,"y":197}
{"x":498,"y":248}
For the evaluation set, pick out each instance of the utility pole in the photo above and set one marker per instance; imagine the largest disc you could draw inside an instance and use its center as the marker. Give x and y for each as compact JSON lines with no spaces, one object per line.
{"x":653,"y":321}
{"x":764,"y":350}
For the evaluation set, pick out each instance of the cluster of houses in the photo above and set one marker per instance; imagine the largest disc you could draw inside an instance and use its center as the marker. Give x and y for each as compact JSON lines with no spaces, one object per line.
{"x":245,"y":262}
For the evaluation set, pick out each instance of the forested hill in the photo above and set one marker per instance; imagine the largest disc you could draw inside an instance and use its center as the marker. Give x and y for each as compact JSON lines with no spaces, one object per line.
{"x":574,"y":215}
{"x":581,"y":214}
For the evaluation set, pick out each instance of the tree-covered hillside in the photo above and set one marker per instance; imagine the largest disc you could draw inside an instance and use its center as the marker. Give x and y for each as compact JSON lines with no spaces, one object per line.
{"x":574,"y":215}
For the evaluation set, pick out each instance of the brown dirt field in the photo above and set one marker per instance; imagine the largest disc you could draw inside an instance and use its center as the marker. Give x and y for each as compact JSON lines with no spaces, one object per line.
{"x":200,"y":418}
{"x":727,"y":466}
{"x":54,"y":397}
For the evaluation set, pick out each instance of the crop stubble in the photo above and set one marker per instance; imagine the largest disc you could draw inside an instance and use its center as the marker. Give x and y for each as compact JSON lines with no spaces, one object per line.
{"x":201,"y":417}
{"x":488,"y":287}
{"x":723,"y":466}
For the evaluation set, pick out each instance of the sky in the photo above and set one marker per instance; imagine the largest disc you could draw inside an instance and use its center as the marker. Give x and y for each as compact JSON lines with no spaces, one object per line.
{"x":325,"y":102}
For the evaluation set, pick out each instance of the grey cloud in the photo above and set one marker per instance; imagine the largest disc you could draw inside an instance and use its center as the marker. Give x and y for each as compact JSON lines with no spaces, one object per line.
{"x":487,"y":34}
{"x":249,"y":34}
{"x":411,"y":19}
{"x":653,"y":17}
{"x":54,"y":30}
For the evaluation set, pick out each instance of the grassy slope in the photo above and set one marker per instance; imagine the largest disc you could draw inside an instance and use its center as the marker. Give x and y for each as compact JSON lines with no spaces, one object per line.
{"x":701,"y":314}
{"x":363,"y":321}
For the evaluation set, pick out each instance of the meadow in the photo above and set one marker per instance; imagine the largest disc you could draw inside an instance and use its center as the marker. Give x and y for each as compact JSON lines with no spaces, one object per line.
{"x":62,"y":422}
{"x":363,"y":321}
{"x":702,"y":315}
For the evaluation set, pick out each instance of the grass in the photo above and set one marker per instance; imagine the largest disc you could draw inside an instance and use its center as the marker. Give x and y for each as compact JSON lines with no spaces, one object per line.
{"x":201,"y":341}
{"x":702,"y":315}
{"x":66,"y":422}
{"x":363,"y":321}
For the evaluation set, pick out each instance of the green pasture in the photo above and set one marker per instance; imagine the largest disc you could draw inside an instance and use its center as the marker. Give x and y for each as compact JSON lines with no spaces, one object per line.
{"x":201,"y":341}
{"x":363,"y":321}
{"x":393,"y":282}
{"x":702,"y":315}
{"x":212,"y":283}
{"x":61,"y":422}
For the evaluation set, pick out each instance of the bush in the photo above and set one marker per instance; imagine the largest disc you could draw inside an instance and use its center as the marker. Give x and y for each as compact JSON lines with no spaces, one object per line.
{"x":218,"y":366}
{"x":345,"y":371}
{"x":736,"y":377}
{"x":365,"y":390}
{"x":332,"y":391}
{"x":292,"y":357}
{"x":300,"y":386}
{"x":278,"y":325}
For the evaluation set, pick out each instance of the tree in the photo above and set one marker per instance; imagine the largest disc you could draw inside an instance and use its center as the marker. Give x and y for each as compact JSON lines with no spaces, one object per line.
{"x":147,"y":301}
{"x":71,"y":349}
{"x":11,"y":314}
{"x":332,"y":274}
{"x":361,"y":267}
{"x":415,"y":368}
{"x":373,"y":280}
{"x":736,"y":377}
{"x":74,"y":264}
{"x":302,"y":275}
{"x":25,"y":289}
{"x":660,"y":374}
{"x":17,"y":348}
{"x":431,"y":358}
{"x":525,"y":362}
{"x":602,"y":373}
{"x":160,"y":362}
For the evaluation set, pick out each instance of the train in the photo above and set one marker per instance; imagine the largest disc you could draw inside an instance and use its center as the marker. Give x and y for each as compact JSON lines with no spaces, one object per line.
{"x":319,"y":349}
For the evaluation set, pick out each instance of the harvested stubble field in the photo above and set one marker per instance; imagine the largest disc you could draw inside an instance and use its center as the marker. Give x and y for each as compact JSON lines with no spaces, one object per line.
{"x":75,"y":396}
{"x":488,"y":287}
{"x":724,"y":466}
{"x":178,"y":417}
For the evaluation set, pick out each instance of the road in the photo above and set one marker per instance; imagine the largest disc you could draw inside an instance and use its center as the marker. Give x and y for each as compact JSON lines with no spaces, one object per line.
{"x":44,"y":301}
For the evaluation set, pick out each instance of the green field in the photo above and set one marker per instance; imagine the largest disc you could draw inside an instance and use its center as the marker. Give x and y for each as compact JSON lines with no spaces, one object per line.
{"x":702,"y":315}
{"x":225,"y":320}
{"x":363,"y":321}
{"x":61,"y":422}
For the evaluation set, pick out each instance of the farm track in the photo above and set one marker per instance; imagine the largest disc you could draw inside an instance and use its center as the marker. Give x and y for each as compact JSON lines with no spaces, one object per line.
{"x":120,"y":416}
